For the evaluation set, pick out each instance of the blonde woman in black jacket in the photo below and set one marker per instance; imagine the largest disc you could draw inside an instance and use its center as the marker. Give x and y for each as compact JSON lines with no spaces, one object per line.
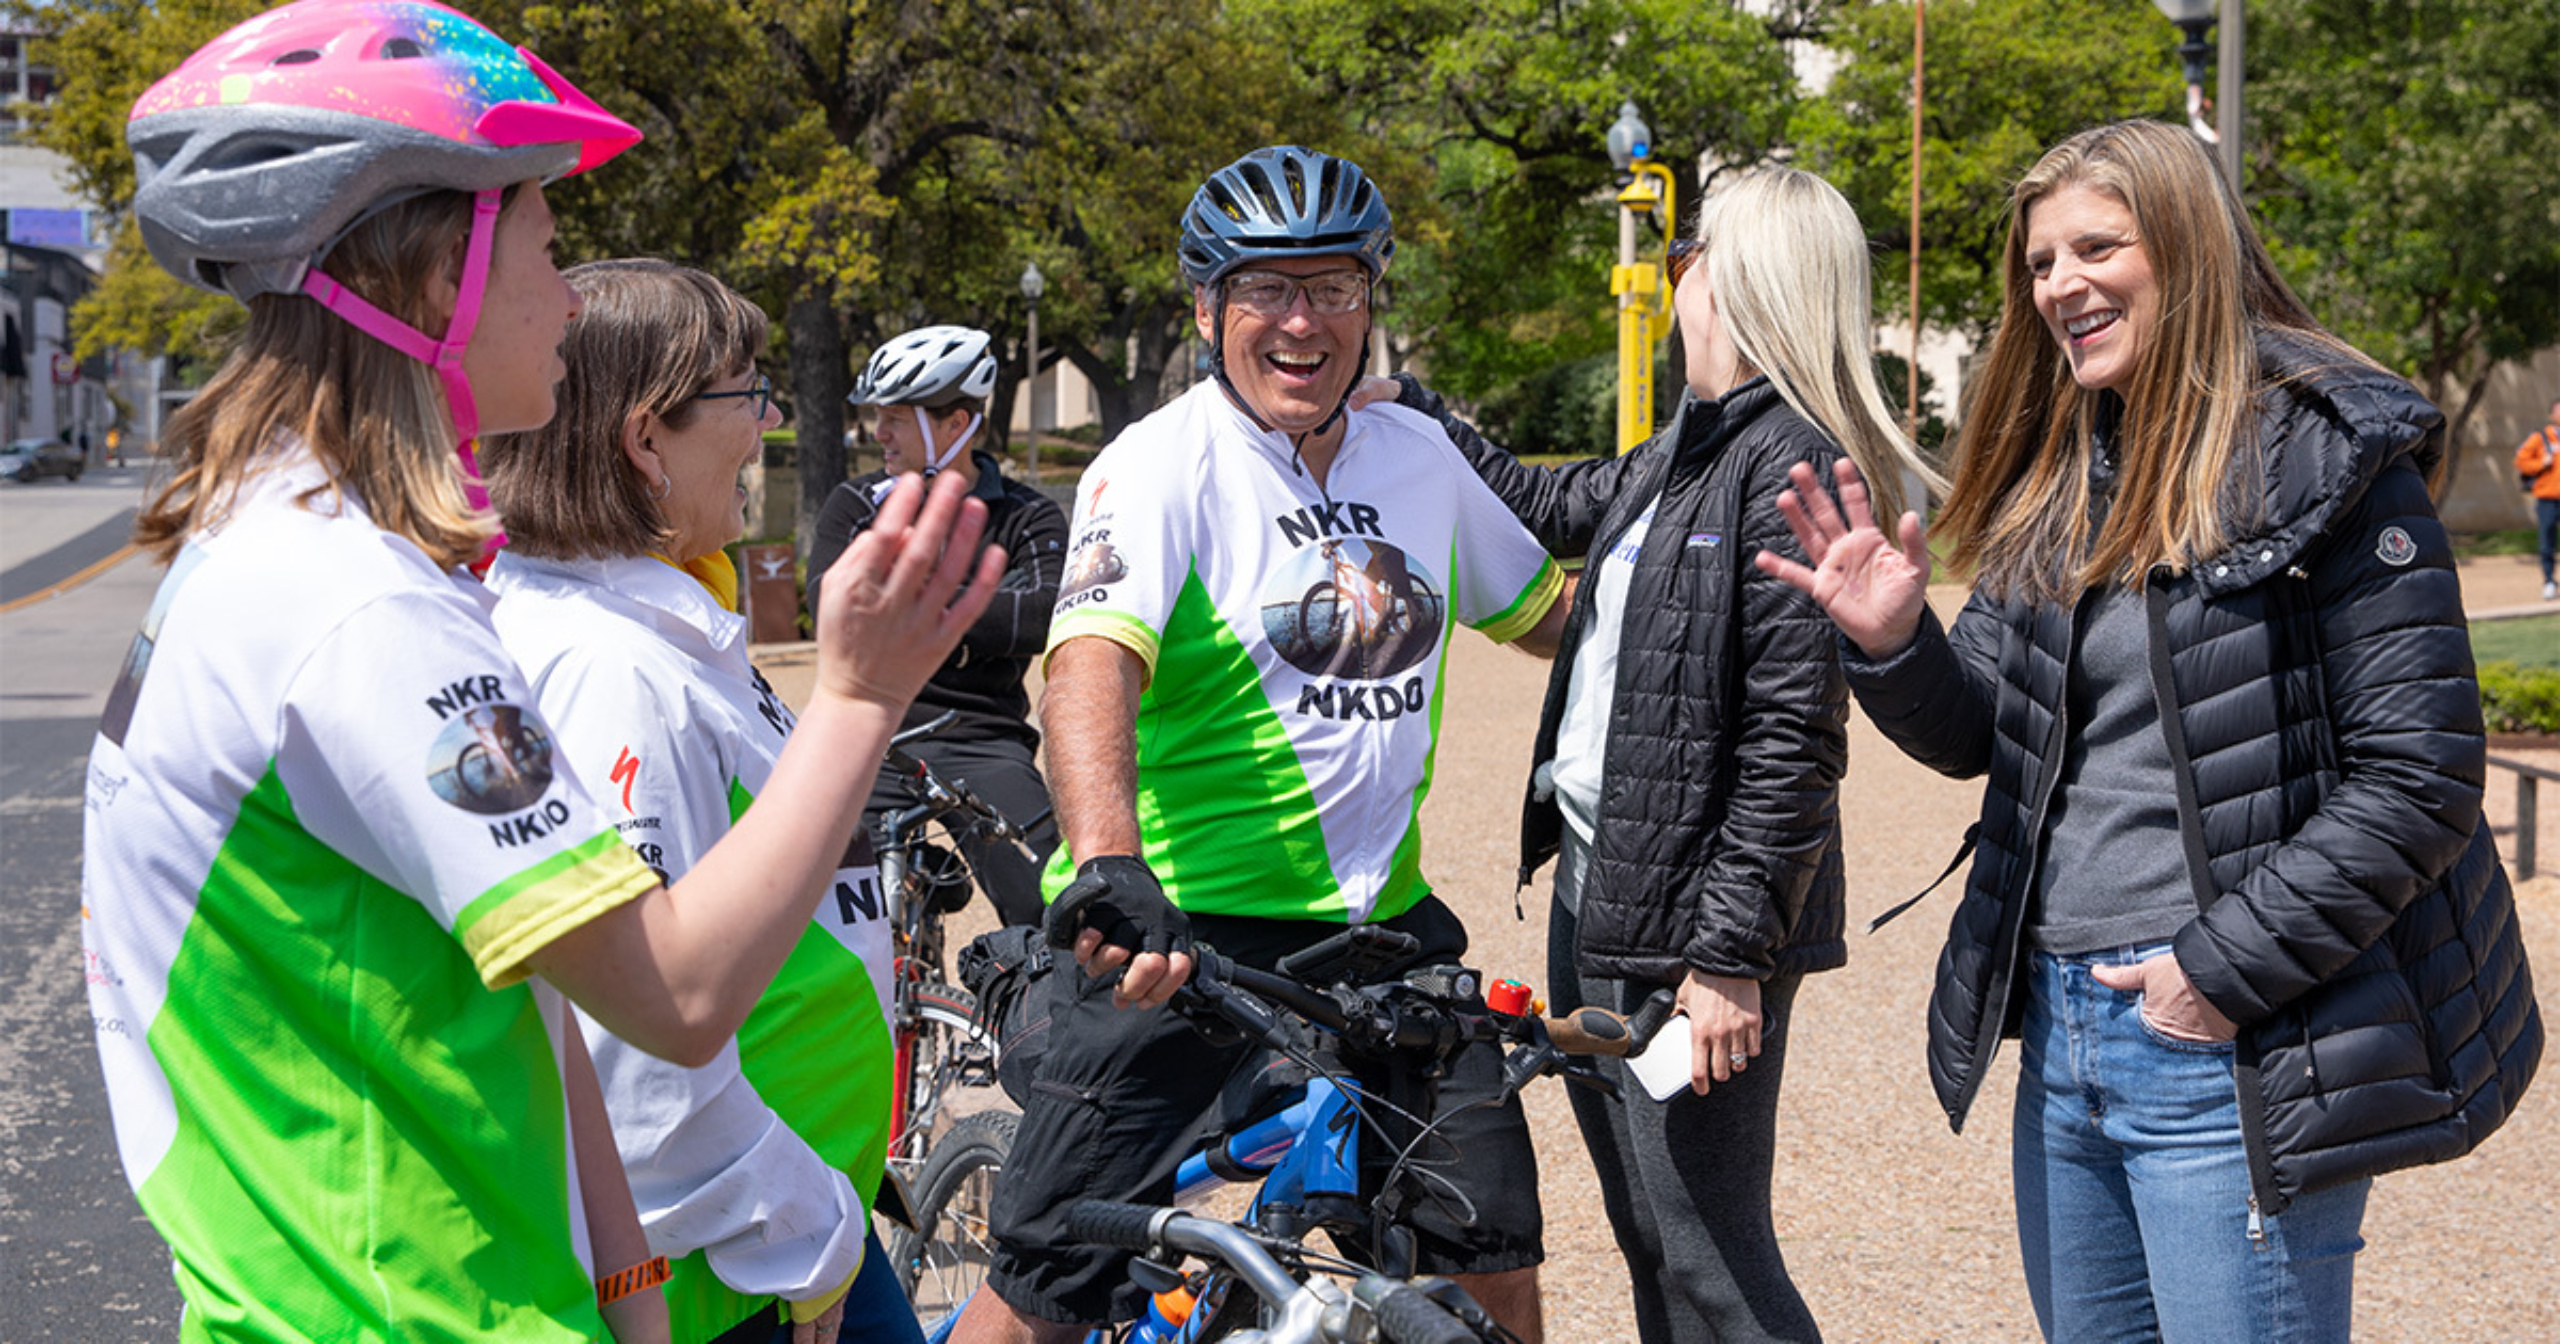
{"x":1706,"y":854}
{"x":2233,"y":892}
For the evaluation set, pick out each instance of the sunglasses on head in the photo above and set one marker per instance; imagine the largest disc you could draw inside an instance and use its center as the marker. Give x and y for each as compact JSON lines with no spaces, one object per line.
{"x":1679,"y":254}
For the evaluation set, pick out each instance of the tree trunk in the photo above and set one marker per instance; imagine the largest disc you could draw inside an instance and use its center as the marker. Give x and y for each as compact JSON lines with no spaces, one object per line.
{"x":818,"y":383}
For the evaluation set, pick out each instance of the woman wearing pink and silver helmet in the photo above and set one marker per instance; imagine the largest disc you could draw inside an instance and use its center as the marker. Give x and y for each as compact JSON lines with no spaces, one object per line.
{"x":923,"y":396}
{"x":336,"y":879}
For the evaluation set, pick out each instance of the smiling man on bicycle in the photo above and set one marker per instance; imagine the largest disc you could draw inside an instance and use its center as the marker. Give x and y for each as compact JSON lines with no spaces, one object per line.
{"x":1235,"y":754}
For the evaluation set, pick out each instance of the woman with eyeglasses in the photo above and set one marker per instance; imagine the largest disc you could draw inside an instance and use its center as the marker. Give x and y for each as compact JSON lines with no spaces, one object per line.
{"x":923,"y":399}
{"x":753,"y":1173}
{"x":1706,"y":855}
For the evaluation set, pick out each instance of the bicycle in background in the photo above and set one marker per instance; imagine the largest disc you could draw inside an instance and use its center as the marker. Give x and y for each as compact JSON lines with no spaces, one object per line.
{"x":940,"y":1045}
{"x":1354,"y":996}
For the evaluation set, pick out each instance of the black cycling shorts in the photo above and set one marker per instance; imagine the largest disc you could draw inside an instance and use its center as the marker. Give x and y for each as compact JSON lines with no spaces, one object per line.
{"x":1121,"y":1096}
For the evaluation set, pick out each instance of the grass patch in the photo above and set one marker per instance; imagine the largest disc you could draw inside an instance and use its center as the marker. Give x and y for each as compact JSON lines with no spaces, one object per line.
{"x":2530,"y":641}
{"x":2506,"y":541}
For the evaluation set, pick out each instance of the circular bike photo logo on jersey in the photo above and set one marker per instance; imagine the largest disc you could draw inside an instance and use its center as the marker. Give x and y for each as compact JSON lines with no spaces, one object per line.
{"x":490,"y":759}
{"x":1352,"y":608}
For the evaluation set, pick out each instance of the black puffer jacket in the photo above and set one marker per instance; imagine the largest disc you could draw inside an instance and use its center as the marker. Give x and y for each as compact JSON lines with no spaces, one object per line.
{"x":1719,"y":836}
{"x":2317,"y":692}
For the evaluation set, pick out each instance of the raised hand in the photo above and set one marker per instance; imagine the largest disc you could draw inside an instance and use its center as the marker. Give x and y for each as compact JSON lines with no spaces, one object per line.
{"x":893,"y":605}
{"x":1873,"y":587}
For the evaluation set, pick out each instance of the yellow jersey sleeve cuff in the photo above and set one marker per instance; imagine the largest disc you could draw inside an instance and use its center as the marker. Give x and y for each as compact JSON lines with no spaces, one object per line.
{"x":1126,"y":631}
{"x":509,"y":923}
{"x":1526,"y":610}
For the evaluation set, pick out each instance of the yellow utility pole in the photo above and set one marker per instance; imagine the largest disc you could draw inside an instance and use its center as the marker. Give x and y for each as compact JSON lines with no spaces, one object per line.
{"x":1640,"y":279}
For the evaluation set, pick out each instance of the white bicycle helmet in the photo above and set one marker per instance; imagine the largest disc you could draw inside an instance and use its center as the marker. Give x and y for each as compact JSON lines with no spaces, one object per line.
{"x":932,"y":367}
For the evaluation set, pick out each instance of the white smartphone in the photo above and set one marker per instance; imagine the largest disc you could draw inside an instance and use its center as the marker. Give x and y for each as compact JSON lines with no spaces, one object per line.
{"x":1663,"y":1068}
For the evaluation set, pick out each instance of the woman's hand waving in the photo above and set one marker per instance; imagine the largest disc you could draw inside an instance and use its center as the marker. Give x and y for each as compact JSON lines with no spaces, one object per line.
{"x":1874,"y":588}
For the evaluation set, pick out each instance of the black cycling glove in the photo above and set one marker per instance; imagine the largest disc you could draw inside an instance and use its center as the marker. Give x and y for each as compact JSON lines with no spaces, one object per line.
{"x":1118,"y":896}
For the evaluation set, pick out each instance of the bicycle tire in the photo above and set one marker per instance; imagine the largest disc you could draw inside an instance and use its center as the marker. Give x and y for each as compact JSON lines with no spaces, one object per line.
{"x":946,"y":1258}
{"x":948,"y":1049}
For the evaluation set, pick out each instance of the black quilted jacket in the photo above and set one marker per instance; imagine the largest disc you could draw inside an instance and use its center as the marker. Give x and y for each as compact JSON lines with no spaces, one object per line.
{"x":1719,"y":835}
{"x":2318,"y":696}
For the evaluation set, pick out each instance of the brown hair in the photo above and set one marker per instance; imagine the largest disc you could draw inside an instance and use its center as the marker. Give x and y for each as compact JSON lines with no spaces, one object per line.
{"x":373,"y":416}
{"x":2187,"y":451}
{"x":652,"y":337}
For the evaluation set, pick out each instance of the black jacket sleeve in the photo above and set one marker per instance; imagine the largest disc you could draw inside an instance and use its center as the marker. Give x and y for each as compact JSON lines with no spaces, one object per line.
{"x":1561,"y":506}
{"x":1016,"y":623}
{"x":847,"y":511}
{"x":2403,"y":715}
{"x":1935,"y":699}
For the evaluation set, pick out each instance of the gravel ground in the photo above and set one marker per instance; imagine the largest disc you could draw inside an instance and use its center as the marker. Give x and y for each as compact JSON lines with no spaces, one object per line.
{"x":1895,"y":1228}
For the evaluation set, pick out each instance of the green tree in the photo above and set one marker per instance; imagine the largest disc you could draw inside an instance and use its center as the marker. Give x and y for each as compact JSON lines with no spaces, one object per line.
{"x":1491,"y":117}
{"x":2400,"y":164}
{"x":2005,"y":80}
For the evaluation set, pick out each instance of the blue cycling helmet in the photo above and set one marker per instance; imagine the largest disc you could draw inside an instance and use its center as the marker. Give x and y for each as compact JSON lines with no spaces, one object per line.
{"x":1285,"y":201}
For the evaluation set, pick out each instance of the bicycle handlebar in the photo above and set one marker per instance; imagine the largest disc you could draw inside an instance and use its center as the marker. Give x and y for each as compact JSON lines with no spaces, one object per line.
{"x":1312,"y":1312}
{"x":1435,"y":1010}
{"x":938,"y":796}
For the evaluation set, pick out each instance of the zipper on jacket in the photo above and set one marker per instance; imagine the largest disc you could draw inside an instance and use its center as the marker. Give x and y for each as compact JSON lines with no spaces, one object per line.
{"x":2257,"y":1226}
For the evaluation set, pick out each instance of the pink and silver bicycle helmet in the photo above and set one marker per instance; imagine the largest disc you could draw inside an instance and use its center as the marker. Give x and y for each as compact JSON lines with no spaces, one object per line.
{"x":261,"y":150}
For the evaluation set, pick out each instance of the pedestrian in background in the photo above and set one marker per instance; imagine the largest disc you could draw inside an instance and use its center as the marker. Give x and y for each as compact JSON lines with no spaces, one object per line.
{"x":2538,"y":466}
{"x":2233,"y":888}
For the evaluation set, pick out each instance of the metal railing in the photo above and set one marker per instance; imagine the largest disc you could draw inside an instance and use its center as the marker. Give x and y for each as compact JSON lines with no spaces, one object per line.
{"x":2529,"y":779}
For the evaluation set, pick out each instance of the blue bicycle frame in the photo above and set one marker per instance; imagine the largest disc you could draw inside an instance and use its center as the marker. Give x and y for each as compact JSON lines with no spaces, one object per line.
{"x":1310,"y":1147}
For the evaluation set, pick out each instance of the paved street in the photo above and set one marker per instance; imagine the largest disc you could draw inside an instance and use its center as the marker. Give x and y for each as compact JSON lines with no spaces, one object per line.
{"x":77,"y":1261}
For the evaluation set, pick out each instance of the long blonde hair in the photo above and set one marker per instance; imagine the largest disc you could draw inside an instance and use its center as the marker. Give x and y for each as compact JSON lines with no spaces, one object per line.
{"x":2186,"y":445}
{"x":373,"y":416}
{"x":1792,"y":280}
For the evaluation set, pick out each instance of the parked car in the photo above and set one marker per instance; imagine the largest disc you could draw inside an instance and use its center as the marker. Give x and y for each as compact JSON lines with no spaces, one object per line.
{"x":26,"y":459}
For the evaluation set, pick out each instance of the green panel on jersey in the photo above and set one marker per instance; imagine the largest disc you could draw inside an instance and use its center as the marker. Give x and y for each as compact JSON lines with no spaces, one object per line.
{"x":1223,"y":803}
{"x":835,"y":1096}
{"x":369,"y":1142}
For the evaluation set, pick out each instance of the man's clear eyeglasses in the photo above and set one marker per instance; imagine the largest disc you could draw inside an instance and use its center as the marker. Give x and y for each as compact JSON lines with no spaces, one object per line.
{"x":1271,"y":294}
{"x":759,"y":395}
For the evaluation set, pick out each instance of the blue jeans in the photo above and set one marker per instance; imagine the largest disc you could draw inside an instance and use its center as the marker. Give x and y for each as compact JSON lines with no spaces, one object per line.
{"x":2135,"y":1215}
{"x":2546,"y":522}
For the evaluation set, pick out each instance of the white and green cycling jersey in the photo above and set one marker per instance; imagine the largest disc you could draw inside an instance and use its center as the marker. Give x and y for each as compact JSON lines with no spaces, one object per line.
{"x":325,"y":830}
{"x":1293,"y":636}
{"x":753,"y":1172}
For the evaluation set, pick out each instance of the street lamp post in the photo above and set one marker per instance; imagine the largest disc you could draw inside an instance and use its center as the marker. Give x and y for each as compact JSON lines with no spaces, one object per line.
{"x":2194,"y":18}
{"x":1033,"y":286}
{"x":1644,"y":302}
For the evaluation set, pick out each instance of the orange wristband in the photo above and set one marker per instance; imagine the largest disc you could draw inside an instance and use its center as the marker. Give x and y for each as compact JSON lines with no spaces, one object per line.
{"x":623,"y":1283}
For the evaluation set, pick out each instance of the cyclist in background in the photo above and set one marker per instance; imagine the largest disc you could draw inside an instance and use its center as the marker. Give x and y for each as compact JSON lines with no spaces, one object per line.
{"x":753,"y":1172}
{"x":923,"y":396}
{"x":1216,"y":774}
{"x":328,"y":927}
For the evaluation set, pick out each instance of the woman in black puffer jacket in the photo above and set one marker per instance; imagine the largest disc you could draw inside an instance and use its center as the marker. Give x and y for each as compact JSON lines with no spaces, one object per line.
{"x":1706,"y":855}
{"x":2234,"y":891}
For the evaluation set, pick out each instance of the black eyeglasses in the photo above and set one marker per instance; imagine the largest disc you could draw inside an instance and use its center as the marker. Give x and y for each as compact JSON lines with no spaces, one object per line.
{"x":761,"y":390}
{"x":1679,"y":254}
